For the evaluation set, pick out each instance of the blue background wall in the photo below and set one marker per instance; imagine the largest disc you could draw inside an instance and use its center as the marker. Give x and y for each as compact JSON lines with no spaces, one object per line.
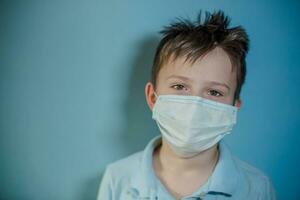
{"x":72,"y":78}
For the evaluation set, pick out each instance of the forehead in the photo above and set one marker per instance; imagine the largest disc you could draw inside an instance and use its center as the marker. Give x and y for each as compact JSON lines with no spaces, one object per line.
{"x":213,"y":66}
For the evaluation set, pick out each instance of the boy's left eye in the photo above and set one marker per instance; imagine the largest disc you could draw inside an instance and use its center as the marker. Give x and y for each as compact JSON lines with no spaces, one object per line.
{"x":214,"y":93}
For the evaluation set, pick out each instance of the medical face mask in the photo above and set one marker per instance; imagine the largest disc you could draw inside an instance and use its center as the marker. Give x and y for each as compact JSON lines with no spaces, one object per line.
{"x":191,"y":124}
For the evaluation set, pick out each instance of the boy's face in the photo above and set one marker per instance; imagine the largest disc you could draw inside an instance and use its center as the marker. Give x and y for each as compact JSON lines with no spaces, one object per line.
{"x":210,"y":77}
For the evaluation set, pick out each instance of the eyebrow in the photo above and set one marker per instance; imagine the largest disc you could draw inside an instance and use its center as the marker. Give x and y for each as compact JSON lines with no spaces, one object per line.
{"x":218,"y":83}
{"x":190,"y":80}
{"x":179,"y":77}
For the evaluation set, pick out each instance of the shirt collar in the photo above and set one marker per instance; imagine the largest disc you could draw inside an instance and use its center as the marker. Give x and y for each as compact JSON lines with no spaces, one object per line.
{"x":225,"y":176}
{"x":144,"y":180}
{"x":222,"y":181}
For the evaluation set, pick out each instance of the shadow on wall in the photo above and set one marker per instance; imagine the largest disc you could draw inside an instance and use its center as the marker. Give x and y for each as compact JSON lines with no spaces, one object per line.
{"x":91,"y":187}
{"x":140,"y":128}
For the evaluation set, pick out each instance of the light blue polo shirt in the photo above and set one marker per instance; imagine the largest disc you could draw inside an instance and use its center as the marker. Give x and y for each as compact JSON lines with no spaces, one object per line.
{"x":134,"y":178}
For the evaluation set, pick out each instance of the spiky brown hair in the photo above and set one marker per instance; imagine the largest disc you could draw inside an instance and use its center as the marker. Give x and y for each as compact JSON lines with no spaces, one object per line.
{"x":192,"y":40}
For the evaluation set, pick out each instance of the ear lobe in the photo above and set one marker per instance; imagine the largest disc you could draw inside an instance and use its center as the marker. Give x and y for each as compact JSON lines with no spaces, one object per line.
{"x":150,"y":95}
{"x":238,"y":103}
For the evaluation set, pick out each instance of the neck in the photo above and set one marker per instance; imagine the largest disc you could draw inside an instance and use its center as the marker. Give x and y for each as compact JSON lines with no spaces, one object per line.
{"x":168,"y":161}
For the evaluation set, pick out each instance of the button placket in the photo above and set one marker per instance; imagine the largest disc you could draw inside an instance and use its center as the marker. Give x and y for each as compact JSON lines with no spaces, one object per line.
{"x":133,"y":193}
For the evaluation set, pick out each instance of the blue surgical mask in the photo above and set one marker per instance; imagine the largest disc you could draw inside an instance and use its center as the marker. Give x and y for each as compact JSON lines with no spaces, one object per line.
{"x":191,"y":124}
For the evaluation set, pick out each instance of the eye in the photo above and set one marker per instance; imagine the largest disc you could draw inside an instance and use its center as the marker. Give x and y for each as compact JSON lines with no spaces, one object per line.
{"x":214,"y":93}
{"x":178,"y":87}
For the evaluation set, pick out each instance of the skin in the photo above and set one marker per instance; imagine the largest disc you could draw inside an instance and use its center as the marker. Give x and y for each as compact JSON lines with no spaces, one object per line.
{"x":210,"y":77}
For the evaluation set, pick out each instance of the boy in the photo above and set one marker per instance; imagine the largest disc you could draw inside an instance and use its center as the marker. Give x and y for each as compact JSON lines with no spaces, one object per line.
{"x":198,"y":72}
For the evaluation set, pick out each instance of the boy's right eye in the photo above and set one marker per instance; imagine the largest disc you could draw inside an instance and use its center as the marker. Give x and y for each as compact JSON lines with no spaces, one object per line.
{"x":179,"y":87}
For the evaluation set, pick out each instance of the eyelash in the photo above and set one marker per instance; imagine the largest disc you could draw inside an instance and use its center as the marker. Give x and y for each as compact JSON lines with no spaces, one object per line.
{"x":178,"y":85}
{"x":219,"y":94}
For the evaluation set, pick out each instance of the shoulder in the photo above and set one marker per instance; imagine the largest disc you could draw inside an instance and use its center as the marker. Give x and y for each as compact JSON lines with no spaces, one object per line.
{"x":249,"y":170}
{"x":117,"y":177}
{"x":254,"y":180}
{"x":121,"y":172}
{"x":125,"y":166}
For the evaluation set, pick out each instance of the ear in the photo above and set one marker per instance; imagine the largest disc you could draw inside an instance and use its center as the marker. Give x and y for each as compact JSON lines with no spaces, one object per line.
{"x":238,"y":103}
{"x":150,"y":96}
